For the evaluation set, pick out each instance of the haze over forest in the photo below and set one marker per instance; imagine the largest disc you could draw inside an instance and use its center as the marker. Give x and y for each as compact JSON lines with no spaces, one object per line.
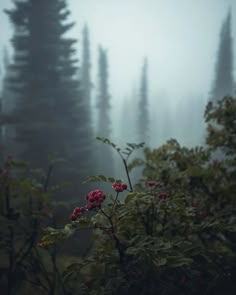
{"x":155,"y":63}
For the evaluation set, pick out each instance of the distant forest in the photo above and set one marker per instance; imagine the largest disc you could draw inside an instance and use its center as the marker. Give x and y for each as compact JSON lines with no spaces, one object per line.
{"x":46,"y":109}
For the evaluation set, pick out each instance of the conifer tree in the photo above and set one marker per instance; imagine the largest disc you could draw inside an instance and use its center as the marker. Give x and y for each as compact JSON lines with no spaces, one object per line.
{"x":1,"y":134}
{"x":143,"y":116}
{"x":51,"y":117}
{"x":128,"y":120}
{"x":103,"y":98}
{"x":103,"y":108}
{"x":224,"y":82}
{"x":1,"y":126}
{"x":8,"y":104}
{"x":86,"y":83}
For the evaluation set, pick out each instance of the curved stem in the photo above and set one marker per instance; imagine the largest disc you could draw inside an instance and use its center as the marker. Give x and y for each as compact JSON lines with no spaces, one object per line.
{"x":127,"y":173}
{"x":126,"y":168}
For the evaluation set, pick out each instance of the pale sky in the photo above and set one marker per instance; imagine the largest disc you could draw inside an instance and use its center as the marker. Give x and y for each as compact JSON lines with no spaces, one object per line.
{"x":179,"y":37}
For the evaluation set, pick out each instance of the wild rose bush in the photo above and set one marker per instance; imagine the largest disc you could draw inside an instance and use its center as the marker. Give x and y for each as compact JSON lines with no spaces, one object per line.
{"x":173,"y":234}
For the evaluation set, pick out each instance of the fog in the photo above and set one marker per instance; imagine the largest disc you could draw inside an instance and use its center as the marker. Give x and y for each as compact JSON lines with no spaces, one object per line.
{"x":74,"y":216}
{"x":180,"y":39}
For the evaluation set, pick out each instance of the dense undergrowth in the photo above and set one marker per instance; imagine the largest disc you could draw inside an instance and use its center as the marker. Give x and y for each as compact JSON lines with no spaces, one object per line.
{"x":172,"y":233}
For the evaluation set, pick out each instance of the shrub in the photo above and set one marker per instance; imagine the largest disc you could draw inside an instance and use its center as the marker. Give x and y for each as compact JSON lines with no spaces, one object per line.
{"x":175,"y":233}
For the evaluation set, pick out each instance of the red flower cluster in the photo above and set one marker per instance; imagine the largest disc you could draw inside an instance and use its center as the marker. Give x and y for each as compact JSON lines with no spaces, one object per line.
{"x":78,"y":211}
{"x":151,"y":183}
{"x":119,"y":186}
{"x":95,"y":198}
{"x":163,"y":195}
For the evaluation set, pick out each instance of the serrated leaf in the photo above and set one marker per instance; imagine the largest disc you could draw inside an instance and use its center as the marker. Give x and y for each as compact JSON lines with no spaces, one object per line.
{"x":176,"y":261}
{"x":98,"y":178}
{"x":131,"y":145}
{"x":102,"y":178}
{"x":160,"y":261}
{"x":134,"y":195}
{"x":125,"y":153}
{"x":111,"y":179}
{"x":128,"y":149}
{"x":130,"y":196}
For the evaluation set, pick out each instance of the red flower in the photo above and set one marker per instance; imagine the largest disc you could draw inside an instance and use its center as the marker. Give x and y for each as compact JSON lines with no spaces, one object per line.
{"x":150,"y":183}
{"x":89,"y":207}
{"x":163,"y":195}
{"x":73,"y":217}
{"x":96,"y":195}
{"x":97,"y":205}
{"x":119,"y":187}
{"x":124,"y":186}
{"x":77,"y":211}
{"x":102,"y":198}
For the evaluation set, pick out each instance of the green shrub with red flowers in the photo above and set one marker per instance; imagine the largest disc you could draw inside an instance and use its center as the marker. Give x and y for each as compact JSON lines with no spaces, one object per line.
{"x":174,"y":233}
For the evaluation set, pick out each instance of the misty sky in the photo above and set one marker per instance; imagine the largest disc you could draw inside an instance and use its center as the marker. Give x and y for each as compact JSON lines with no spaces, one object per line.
{"x":179,"y":37}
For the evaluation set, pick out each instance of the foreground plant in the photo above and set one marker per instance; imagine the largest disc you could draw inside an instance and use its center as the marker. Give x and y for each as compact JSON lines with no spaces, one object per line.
{"x":25,"y":208}
{"x":173,"y":234}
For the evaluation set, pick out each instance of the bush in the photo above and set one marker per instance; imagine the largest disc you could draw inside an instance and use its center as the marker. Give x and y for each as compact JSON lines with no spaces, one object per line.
{"x":173,"y":233}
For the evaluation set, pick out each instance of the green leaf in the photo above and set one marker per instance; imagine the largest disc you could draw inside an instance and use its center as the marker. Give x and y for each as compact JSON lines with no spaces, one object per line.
{"x":98,"y":178}
{"x":131,"y":145}
{"x":130,"y":196}
{"x":160,"y":261}
{"x":111,"y":179}
{"x":176,"y":261}
{"x":102,"y":178}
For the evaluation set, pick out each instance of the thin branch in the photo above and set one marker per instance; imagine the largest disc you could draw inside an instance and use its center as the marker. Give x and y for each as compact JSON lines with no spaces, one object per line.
{"x":127,"y":173}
